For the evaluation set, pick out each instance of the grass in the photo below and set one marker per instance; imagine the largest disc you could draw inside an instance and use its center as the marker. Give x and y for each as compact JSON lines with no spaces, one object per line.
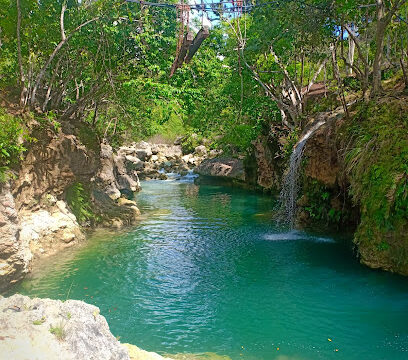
{"x":59,"y":330}
{"x":40,"y":321}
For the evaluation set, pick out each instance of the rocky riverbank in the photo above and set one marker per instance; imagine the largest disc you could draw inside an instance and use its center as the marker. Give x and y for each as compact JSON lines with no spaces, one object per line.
{"x":52,"y":329}
{"x":62,"y":189}
{"x":46,"y":329}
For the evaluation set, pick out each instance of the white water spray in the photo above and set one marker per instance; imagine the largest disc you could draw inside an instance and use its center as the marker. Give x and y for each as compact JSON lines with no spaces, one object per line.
{"x":290,"y":187}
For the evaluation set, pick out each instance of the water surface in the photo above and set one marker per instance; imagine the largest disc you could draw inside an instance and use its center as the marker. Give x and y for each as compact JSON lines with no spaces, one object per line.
{"x":207,"y":270}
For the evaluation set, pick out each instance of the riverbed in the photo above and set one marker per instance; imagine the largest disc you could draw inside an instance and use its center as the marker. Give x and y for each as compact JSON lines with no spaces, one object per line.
{"x":208,"y":270}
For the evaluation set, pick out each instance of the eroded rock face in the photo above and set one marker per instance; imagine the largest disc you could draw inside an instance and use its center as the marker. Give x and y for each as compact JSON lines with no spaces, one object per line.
{"x":322,"y":154}
{"x":268,"y":171}
{"x":118,"y":172}
{"x":48,"y":230}
{"x":50,"y":166}
{"x":222,"y":167}
{"x":14,"y":253}
{"x":35,"y":220}
{"x":52,"y":329}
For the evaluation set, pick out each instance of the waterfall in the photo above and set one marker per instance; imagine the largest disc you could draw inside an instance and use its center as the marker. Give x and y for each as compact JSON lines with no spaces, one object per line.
{"x":290,"y":188}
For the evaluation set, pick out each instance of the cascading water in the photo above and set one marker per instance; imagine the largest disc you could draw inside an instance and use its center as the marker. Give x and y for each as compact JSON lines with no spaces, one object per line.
{"x":290,"y":187}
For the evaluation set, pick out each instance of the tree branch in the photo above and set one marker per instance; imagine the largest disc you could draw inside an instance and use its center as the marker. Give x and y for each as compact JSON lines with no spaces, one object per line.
{"x":52,"y":56}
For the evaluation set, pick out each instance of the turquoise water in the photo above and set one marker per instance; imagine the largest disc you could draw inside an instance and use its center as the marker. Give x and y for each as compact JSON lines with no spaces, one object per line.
{"x":207,"y":270}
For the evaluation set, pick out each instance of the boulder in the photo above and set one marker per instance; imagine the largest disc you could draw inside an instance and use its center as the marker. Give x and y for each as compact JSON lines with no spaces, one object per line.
{"x":178,"y":140}
{"x":143,"y":150}
{"x":200,"y":150}
{"x":48,"y":230}
{"x":106,"y":177}
{"x":52,"y":329}
{"x":214,"y":153}
{"x":133,"y":163}
{"x":125,"y":179}
{"x":118,"y":172}
{"x":230,"y":168}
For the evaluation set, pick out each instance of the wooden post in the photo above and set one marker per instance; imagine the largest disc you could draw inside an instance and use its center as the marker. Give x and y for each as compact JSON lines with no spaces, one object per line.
{"x":178,"y":61}
{"x":198,"y":40}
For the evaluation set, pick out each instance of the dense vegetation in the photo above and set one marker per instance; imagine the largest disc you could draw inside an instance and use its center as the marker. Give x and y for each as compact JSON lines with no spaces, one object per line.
{"x":105,"y":64}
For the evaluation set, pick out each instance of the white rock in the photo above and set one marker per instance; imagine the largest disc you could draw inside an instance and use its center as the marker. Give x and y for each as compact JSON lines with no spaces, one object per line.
{"x":200,"y":150}
{"x":25,"y":327}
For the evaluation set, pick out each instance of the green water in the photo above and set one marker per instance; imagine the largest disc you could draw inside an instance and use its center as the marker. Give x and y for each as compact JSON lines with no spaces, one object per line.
{"x":208,"y":271}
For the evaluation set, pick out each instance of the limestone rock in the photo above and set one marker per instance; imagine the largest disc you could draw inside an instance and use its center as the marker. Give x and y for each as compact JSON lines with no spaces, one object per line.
{"x":106,"y":177}
{"x":222,"y":167}
{"x":200,"y":150}
{"x":321,"y":152}
{"x":117,"y":172}
{"x":49,"y":230}
{"x":267,"y":167}
{"x":214,"y":153}
{"x":136,"y":353}
{"x":14,"y":253}
{"x":134,"y":163}
{"x":53,"y":163}
{"x":80,"y":331}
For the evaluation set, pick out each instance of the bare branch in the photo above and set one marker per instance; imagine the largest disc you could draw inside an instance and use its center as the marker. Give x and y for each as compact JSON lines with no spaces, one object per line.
{"x":52,"y":56}
{"x":64,"y":7}
{"x":321,"y":67}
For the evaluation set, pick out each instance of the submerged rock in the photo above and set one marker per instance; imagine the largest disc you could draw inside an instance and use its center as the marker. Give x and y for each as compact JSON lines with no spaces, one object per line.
{"x":136,"y":353}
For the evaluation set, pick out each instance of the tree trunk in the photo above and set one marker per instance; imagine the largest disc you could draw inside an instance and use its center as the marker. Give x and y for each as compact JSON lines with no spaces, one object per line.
{"x":379,"y":46}
{"x":52,"y":56}
{"x":336,"y":73}
{"x":383,"y":20}
{"x":350,"y":55}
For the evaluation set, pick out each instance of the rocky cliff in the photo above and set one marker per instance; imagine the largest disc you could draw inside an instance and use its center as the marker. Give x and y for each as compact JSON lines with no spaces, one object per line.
{"x":63,"y":188}
{"x":14,"y":254}
{"x":39,"y":216}
{"x":353,"y":177}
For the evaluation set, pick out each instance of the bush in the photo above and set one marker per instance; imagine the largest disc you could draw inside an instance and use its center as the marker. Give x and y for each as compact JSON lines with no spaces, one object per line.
{"x":323,"y":205}
{"x":79,"y":200}
{"x":12,"y":136}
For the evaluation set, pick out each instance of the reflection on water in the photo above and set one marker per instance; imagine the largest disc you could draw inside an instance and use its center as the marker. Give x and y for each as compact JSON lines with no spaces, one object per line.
{"x":206,"y":271}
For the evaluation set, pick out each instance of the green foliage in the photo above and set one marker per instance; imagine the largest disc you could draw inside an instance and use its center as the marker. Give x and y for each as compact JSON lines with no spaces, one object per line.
{"x":377,"y":163}
{"x":12,"y":136}
{"x":88,"y":137}
{"x":291,"y":140}
{"x":79,"y":200}
{"x":189,"y":143}
{"x":323,"y":205}
{"x":40,"y":321}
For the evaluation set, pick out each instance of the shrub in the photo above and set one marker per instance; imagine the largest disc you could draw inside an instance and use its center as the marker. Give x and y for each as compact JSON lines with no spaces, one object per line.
{"x":12,"y":136}
{"x":79,"y":200}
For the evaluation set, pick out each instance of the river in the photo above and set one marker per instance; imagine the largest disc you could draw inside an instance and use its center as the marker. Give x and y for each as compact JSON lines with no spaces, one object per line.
{"x":208,"y":270}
